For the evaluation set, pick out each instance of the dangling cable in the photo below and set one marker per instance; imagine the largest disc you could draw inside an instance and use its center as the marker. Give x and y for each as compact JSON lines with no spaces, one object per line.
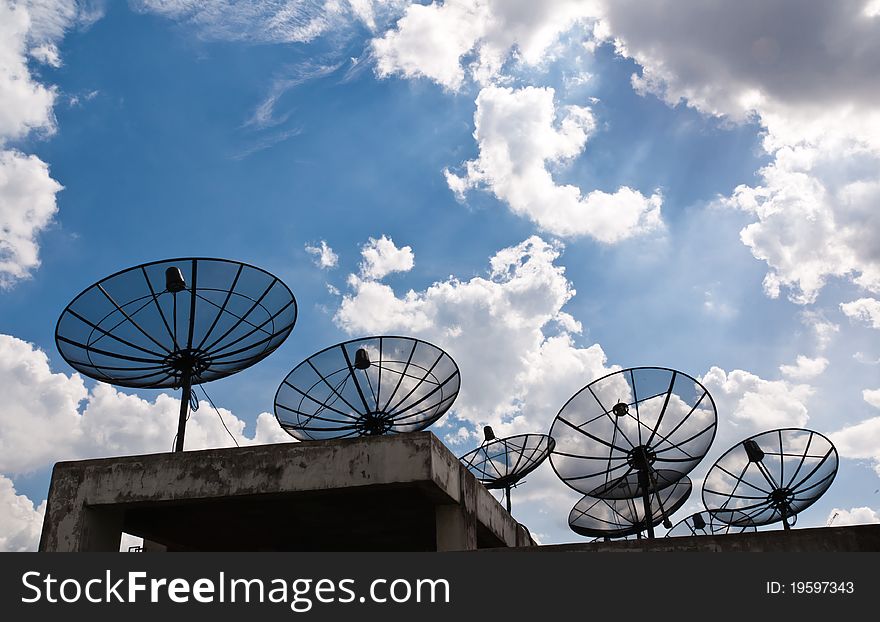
{"x":666,"y":522}
{"x":211,"y":402}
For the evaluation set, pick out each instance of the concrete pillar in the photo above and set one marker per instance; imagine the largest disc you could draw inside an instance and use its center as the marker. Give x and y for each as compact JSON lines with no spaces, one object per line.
{"x":100,"y":531}
{"x":456,"y":524}
{"x":523,"y":537}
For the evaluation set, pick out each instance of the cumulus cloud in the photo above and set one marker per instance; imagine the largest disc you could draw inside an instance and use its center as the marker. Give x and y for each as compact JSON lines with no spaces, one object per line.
{"x":324,"y":257}
{"x":27,"y":192}
{"x":430,"y":40}
{"x":748,"y":404}
{"x":521,"y":136}
{"x":449,"y":41}
{"x":872,"y":397}
{"x":27,"y":104}
{"x":816,"y":218}
{"x":854,"y":516}
{"x":49,"y":416}
{"x":860,"y":441}
{"x":504,"y":331}
{"x":27,"y":207}
{"x":381,"y":257}
{"x":751,"y":403}
{"x":728,"y":59}
{"x":20,"y":522}
{"x":33,"y":28}
{"x":864,"y":309}
{"x":804,"y":368}
{"x":39,"y":413}
{"x":807,"y":74}
{"x":507,"y":333}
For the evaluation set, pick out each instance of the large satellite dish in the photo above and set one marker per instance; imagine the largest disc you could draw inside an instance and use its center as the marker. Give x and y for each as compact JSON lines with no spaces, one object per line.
{"x":704,"y":524}
{"x":632,"y":433}
{"x":770,"y":477}
{"x":617,"y":518}
{"x":367,"y":387}
{"x":174,"y":324}
{"x":500,"y":463}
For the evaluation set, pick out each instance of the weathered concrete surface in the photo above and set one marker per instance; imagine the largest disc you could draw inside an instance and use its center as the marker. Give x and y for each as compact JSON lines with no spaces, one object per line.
{"x":401,"y":492}
{"x":853,"y":538}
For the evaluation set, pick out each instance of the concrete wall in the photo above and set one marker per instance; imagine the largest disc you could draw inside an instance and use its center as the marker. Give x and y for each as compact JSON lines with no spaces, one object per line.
{"x":823,"y":539}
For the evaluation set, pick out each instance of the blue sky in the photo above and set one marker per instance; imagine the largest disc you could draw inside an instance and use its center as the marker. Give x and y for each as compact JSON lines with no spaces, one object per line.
{"x":181,"y":131}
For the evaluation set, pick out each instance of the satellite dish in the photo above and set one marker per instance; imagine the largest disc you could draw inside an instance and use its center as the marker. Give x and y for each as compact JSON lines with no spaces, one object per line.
{"x":174,"y":324}
{"x":704,"y":524}
{"x":770,"y":477}
{"x":632,"y":433}
{"x":367,"y":387}
{"x":500,"y":463}
{"x":617,"y":518}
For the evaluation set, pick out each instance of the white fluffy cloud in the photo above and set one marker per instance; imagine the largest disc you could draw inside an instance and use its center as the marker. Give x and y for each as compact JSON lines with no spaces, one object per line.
{"x":499,"y":328}
{"x":381,"y":257}
{"x":39,"y":413}
{"x":816,"y":217}
{"x":20,"y":522}
{"x":752,"y":404}
{"x":728,"y":59}
{"x":807,"y":74}
{"x":430,"y":40}
{"x":515,"y":344}
{"x":49,"y":416}
{"x":804,"y":368}
{"x":853,"y":516}
{"x":27,"y":206}
{"x":27,"y":192}
{"x":860,"y":441}
{"x":521,"y":136}
{"x":27,"y":105}
{"x":445,"y":42}
{"x":324,"y":257}
{"x":864,"y":309}
{"x":747,"y":405}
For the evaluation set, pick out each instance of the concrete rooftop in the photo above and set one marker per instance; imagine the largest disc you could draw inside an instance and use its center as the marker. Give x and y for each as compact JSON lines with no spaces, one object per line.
{"x":403,"y":492}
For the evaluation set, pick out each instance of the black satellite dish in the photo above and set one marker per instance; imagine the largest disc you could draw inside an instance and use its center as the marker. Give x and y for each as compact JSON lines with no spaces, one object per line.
{"x":632,"y":433}
{"x":500,"y":463}
{"x":174,"y":324}
{"x":367,"y":387}
{"x":618,"y":518}
{"x":705,"y":524}
{"x":770,"y":477}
